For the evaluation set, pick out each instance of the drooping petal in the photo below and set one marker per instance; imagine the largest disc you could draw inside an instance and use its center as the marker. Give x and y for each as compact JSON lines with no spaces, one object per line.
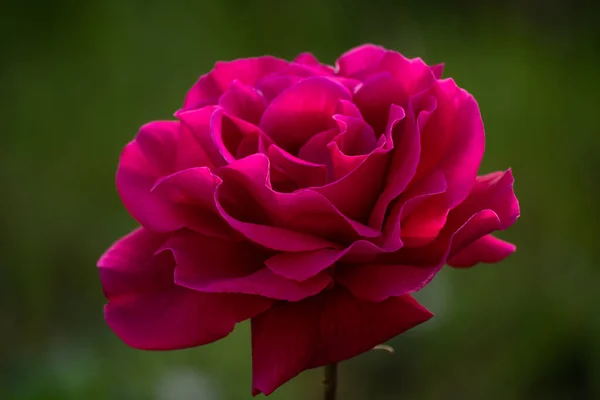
{"x":323,"y":329}
{"x":147,"y":310}
{"x":493,"y":192}
{"x":377,"y":282}
{"x":488,"y":249}
{"x":301,"y":111}
{"x":491,"y":205}
{"x":155,"y":154}
{"x":220,"y":266}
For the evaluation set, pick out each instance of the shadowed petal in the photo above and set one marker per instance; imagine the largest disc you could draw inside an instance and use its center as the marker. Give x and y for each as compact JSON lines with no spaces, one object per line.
{"x":220,"y":266}
{"x":148,"y":311}
{"x":488,"y":249}
{"x":323,"y":329}
{"x":301,"y":111}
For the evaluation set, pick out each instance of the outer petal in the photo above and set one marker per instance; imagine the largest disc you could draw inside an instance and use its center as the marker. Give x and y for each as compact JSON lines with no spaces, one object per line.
{"x":159,"y":150}
{"x":219,"y":266}
{"x":360,"y":60}
{"x":246,"y":70}
{"x":488,"y":249}
{"x":452,"y":142}
{"x":323,"y":329}
{"x":243,"y":102}
{"x":148,"y":311}
{"x":492,"y":205}
{"x":377,"y":282}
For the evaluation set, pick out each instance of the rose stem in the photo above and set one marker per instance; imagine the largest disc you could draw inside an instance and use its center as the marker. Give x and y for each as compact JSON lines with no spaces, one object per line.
{"x":330,"y":381}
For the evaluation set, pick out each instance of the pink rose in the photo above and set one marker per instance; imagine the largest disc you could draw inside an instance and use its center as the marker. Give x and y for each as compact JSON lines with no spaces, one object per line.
{"x":311,"y":199}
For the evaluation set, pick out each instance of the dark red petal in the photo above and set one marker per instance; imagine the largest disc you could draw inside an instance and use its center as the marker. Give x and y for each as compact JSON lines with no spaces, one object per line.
{"x":488,"y":249}
{"x":220,"y":266}
{"x":148,"y":311}
{"x":324,"y":329}
{"x":377,"y":282}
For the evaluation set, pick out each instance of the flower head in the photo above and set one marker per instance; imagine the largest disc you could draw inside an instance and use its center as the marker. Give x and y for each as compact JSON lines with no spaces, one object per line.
{"x":312,"y":200}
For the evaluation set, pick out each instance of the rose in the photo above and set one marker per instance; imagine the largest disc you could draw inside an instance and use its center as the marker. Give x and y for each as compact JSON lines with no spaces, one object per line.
{"x":309,"y":199}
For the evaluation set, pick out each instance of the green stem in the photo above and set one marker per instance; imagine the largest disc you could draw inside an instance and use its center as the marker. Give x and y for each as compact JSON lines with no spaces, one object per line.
{"x":330,"y":382}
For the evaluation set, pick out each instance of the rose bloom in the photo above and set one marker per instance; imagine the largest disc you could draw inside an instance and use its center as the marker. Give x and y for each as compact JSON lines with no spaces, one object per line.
{"x":312,"y":200}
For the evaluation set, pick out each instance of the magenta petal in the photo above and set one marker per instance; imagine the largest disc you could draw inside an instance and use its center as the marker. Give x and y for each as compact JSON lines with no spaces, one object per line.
{"x":200,"y":124}
{"x":247,"y":194}
{"x":303,"y":173}
{"x":310,"y":60}
{"x":405,"y":132}
{"x":243,"y":102}
{"x":452,"y":141}
{"x":152,"y":156}
{"x":301,"y":266}
{"x":364,"y":175}
{"x":328,"y":328}
{"x":190,"y":196}
{"x":378,"y":282}
{"x":148,"y":311}
{"x":247,"y":70}
{"x":218,"y":266}
{"x":414,"y":74}
{"x":356,"y":137}
{"x":491,"y":194}
{"x":375,"y":97}
{"x":438,"y":70}
{"x":301,"y":111}
{"x":315,"y":149}
{"x":360,"y":59}
{"x":488,"y":249}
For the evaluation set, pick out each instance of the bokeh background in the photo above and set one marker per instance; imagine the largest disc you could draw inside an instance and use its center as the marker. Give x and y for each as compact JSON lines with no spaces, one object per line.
{"x":79,"y":77}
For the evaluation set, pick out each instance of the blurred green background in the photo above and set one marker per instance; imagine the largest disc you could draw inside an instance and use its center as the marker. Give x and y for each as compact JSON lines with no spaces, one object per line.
{"x":79,"y":77}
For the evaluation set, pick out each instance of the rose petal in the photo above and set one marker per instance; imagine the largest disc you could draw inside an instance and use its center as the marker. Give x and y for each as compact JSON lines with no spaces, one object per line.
{"x":377,"y":282}
{"x":247,"y":70}
{"x":488,"y":249}
{"x":491,"y":206}
{"x":310,"y":60}
{"x":219,"y":266}
{"x":375,"y":97}
{"x":246,"y":192}
{"x":301,"y":266}
{"x":452,"y":140}
{"x":148,"y":311}
{"x":405,"y":130}
{"x":437,"y":70}
{"x":359,"y":60}
{"x":324,"y":329}
{"x":243,"y":102}
{"x":301,"y":111}
{"x":303,"y":173}
{"x":153,"y":155}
